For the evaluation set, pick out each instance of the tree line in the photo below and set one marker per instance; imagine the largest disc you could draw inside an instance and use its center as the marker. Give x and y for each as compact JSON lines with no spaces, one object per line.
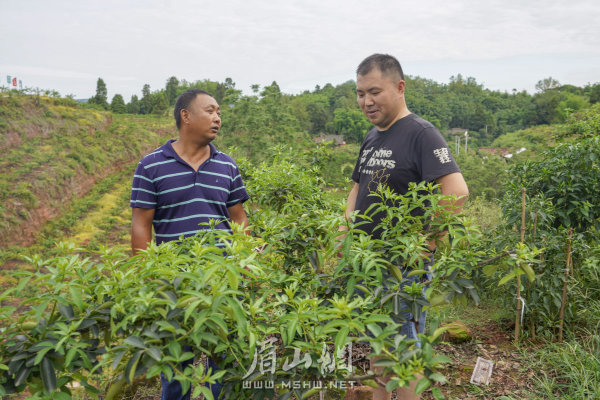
{"x":461,"y":103}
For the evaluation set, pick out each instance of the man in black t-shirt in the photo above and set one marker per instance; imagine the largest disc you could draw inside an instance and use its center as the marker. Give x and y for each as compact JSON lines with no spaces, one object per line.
{"x":400,"y":149}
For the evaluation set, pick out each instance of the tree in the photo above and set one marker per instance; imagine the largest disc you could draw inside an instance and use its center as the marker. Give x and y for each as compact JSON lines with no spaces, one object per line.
{"x":570,"y":103}
{"x":232,"y":95}
{"x":134,"y":105}
{"x":595,"y":94}
{"x":146,"y":101}
{"x":547,"y":84}
{"x":546,"y":106}
{"x":351,"y":123}
{"x":171,"y":90}
{"x":101,"y":97}
{"x":319,"y":115}
{"x":159,"y":103}
{"x":117,"y":105}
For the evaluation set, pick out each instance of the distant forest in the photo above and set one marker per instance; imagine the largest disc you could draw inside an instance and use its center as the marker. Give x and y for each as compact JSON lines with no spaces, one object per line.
{"x":462,"y":103}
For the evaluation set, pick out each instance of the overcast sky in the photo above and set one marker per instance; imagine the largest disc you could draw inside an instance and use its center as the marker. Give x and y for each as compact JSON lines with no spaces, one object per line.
{"x":504,"y":45}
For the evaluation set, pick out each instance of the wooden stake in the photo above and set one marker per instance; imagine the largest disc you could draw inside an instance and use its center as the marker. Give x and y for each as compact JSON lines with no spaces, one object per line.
{"x":564,"y":293}
{"x":517,"y":318}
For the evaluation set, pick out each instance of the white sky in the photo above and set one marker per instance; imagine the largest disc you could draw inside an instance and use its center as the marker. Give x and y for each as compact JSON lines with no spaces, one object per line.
{"x":66,"y":45}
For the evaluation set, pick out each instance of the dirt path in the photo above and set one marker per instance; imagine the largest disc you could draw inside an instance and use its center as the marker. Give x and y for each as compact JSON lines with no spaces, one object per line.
{"x":492,"y":341}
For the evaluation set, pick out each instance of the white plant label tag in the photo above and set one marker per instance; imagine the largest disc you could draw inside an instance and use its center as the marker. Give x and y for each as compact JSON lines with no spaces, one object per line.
{"x":482,"y":372}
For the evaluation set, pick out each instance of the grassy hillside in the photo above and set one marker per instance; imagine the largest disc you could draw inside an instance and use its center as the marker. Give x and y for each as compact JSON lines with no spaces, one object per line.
{"x":535,"y":139}
{"x":55,"y":151}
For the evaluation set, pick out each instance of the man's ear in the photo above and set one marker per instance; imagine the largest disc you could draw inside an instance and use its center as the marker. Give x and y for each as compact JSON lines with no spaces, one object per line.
{"x":401,"y":85}
{"x":185,"y":116}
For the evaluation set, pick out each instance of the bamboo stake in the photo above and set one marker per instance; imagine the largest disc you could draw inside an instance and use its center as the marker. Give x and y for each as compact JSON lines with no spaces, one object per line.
{"x":517,"y":319}
{"x":564,"y":293}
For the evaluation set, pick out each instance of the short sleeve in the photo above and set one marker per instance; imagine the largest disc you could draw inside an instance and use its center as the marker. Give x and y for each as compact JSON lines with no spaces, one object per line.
{"x":436,"y":159}
{"x":237,"y":192}
{"x":143,"y":192}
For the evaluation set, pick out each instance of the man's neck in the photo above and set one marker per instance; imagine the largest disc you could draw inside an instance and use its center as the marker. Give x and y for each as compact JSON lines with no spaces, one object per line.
{"x":192,"y":152}
{"x":403,"y":113}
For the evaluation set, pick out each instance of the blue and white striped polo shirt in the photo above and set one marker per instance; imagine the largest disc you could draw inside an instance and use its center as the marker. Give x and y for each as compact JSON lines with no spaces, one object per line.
{"x":184,"y":198}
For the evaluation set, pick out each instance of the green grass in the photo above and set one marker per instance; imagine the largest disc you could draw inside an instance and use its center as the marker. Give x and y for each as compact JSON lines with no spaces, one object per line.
{"x":489,"y":309}
{"x":569,"y":370}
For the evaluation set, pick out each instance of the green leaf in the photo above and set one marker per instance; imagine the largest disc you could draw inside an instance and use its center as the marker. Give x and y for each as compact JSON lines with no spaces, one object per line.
{"x":132,"y":365}
{"x":490,"y":269}
{"x":61,"y":396}
{"x":76,"y":295}
{"x":48,"y":375}
{"x":169,"y":295}
{"x":441,"y":359}
{"x":117,"y":359}
{"x":375,"y":329}
{"x":174,"y":349}
{"x":437,"y":394}
{"x":474,"y":296}
{"x":154,"y":353}
{"x":455,"y":287}
{"x":371,"y":383}
{"x":201,"y":389}
{"x":21,"y":375}
{"x":310,"y":392}
{"x":529,"y":271}
{"x":422,"y":385}
{"x":378,"y":318}
{"x":22,"y":283}
{"x":40,"y":355}
{"x":391,"y":385}
{"x":385,"y":363}
{"x":66,"y":311}
{"x":466,"y":283}
{"x":135,"y":341}
{"x":416,"y":272}
{"x":507,"y":278}
{"x":439,"y":299}
{"x":437,"y":377}
{"x":340,"y":338}
{"x":191,"y":308}
{"x":70,"y":354}
{"x":291,"y":331}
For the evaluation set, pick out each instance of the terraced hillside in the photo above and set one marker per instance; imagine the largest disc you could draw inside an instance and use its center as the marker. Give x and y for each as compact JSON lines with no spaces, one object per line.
{"x":54,"y":151}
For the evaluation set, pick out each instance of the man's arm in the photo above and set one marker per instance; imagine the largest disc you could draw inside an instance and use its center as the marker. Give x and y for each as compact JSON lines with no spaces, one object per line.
{"x":452,"y":184}
{"x":350,"y":205}
{"x":141,"y":228}
{"x":238,"y":215}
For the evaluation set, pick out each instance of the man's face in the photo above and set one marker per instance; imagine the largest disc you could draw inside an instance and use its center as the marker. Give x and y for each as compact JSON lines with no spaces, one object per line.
{"x":204,"y":117}
{"x":379,"y":98}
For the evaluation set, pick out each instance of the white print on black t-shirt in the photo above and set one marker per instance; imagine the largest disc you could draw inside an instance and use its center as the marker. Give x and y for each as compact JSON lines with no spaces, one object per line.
{"x":380,"y":158}
{"x":442,"y":154}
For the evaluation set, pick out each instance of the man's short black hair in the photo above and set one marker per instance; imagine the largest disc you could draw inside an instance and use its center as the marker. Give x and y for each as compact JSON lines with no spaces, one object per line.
{"x":387,"y":64}
{"x":183,"y":102}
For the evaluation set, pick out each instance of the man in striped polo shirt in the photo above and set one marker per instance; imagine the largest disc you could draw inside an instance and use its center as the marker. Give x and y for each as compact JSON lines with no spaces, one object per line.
{"x":185,"y":183}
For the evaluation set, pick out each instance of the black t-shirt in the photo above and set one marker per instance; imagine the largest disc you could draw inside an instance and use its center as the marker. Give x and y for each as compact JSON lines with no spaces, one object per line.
{"x":411,"y":150}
